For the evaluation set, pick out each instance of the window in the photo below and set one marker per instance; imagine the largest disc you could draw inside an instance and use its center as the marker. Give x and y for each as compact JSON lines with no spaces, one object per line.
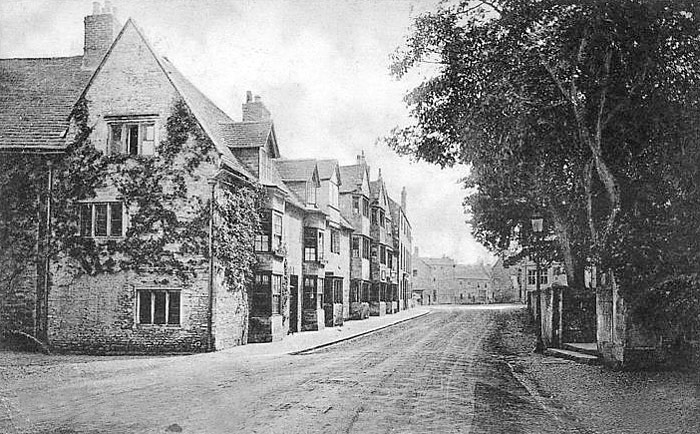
{"x":355,"y":247}
{"x":276,"y":294}
{"x":102,"y":219}
{"x":374,"y":216}
{"x":158,"y":306}
{"x":311,"y":191}
{"x":312,"y":293}
{"x":313,"y":244}
{"x":276,"y":230}
{"x":338,"y":291}
{"x":355,"y":291}
{"x":382,"y":255}
{"x":333,"y":192}
{"x":260,"y":297}
{"x":531,"y":277}
{"x":132,"y":137}
{"x":262,"y":239}
{"x":355,"y":204}
{"x":365,"y":207}
{"x":415,"y":272}
{"x":335,"y":241}
{"x":365,"y":248}
{"x":382,"y":221}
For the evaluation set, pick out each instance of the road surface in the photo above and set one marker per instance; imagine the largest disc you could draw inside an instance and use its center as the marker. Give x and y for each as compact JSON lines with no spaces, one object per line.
{"x":445,"y":372}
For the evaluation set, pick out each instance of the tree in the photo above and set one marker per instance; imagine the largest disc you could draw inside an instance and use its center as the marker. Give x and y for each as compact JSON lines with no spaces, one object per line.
{"x":574,"y":109}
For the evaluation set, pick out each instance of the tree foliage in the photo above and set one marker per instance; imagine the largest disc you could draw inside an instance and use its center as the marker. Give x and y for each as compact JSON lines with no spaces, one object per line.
{"x":583,"y":111}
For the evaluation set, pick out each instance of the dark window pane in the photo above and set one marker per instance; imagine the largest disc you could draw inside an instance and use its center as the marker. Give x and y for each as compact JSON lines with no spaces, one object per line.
{"x":159,"y":316}
{"x":101,"y":220}
{"x":144,"y":307}
{"x":115,"y":143}
{"x":116,"y":216}
{"x":134,"y":139}
{"x":86,"y":220}
{"x":174,"y":308}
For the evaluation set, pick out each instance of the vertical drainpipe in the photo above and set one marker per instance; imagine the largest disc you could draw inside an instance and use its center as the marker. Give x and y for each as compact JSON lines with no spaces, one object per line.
{"x":47,"y":259}
{"x":210,"y":307}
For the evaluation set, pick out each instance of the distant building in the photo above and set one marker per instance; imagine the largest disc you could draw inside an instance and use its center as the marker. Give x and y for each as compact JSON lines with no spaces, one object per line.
{"x":443,"y":281}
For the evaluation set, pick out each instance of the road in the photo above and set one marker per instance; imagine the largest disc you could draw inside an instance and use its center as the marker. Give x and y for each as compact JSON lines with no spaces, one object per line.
{"x":446,"y":372}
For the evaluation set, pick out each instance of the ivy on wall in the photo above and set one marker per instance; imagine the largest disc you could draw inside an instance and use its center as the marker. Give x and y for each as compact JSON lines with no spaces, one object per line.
{"x":168,"y":221}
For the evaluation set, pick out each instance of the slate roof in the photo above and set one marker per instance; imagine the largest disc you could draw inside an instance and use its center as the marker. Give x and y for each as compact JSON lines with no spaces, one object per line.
{"x":207,"y":113}
{"x":326,"y":168}
{"x":471,"y":272}
{"x":36,"y":100}
{"x":295,"y":170}
{"x":352,"y":177}
{"x":246,"y":134}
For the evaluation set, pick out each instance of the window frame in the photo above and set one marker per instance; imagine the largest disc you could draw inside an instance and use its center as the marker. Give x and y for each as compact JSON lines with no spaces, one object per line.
{"x":92,"y":207}
{"x":147,"y":133}
{"x":167,"y":306}
{"x":335,"y":241}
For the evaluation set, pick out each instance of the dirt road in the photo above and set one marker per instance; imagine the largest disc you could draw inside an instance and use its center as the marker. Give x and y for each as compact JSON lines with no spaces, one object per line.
{"x":446,"y":372}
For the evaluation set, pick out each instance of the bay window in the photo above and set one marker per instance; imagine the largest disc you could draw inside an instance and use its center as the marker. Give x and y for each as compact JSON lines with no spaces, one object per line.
{"x":313,"y":244}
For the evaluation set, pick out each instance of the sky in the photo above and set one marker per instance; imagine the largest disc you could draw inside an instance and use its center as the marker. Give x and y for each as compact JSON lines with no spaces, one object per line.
{"x":320,"y":66}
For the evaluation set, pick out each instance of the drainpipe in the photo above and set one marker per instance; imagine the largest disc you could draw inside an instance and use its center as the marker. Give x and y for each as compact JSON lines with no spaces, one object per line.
{"x":210,"y":307}
{"x":47,"y":259}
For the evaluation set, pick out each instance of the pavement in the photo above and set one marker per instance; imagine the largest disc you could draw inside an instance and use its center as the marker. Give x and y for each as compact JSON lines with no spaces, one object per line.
{"x":457,"y":369}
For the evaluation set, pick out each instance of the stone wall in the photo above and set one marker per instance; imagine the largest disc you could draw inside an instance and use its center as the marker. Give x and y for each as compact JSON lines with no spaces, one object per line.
{"x":97,"y":314}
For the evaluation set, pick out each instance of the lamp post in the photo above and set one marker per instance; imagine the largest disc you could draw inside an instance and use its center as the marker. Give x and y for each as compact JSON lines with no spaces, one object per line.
{"x":536,"y":222}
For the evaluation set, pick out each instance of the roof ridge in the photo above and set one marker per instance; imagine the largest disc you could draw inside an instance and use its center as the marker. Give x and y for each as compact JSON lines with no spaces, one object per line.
{"x":42,"y":58}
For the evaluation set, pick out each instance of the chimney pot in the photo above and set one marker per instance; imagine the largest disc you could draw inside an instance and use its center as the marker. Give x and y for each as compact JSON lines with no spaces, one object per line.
{"x":108,"y":7}
{"x":96,"y":8}
{"x":254,"y":110}
{"x":403,"y":198}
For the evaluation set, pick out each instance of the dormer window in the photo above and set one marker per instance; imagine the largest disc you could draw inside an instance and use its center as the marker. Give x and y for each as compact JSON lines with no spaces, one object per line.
{"x":135,"y":136}
{"x":311,"y":191}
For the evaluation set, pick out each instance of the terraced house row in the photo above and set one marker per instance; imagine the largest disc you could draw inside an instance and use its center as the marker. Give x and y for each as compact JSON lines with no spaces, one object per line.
{"x":331,"y":246}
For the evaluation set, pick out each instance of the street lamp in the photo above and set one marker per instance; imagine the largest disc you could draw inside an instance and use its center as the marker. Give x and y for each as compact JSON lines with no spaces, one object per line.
{"x":536,"y":222}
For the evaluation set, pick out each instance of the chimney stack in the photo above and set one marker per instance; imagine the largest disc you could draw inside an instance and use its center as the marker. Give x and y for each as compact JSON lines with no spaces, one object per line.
{"x":403,"y":199}
{"x":100,"y":30}
{"x":254,"y":110}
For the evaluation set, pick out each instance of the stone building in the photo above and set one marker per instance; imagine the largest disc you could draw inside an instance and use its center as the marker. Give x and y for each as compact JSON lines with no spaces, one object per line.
{"x":403,"y":248}
{"x":443,"y":281}
{"x":355,"y":207}
{"x":129,"y":92}
{"x":314,"y":247}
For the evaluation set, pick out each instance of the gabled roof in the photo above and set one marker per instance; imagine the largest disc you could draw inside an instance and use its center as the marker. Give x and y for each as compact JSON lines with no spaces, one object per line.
{"x":36,"y":99}
{"x":326,"y":169}
{"x":352,"y":177}
{"x":296,"y":170}
{"x":249,"y":135}
{"x":204,"y":110}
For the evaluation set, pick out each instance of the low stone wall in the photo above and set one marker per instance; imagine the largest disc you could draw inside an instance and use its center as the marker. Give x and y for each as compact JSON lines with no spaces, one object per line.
{"x":359,"y":310}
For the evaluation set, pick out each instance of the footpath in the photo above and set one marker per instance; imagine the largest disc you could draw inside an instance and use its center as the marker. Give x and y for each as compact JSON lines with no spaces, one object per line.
{"x":297,"y":343}
{"x":600,"y":400}
{"x":13,"y":363}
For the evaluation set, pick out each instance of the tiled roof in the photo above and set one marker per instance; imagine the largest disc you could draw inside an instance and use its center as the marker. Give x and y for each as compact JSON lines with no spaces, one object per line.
{"x":351,"y":176}
{"x":295,"y":170}
{"x":207,"y":113}
{"x":471,"y":272}
{"x":276,"y":181}
{"x":36,"y":99}
{"x":375,"y":188}
{"x":246,"y":134}
{"x":326,"y":168}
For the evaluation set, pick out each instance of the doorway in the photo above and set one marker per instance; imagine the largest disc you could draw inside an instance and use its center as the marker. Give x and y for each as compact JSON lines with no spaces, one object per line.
{"x":293,"y":304}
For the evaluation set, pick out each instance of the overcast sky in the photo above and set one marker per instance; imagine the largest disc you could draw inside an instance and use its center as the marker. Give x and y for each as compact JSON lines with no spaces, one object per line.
{"x":321,"y":67}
